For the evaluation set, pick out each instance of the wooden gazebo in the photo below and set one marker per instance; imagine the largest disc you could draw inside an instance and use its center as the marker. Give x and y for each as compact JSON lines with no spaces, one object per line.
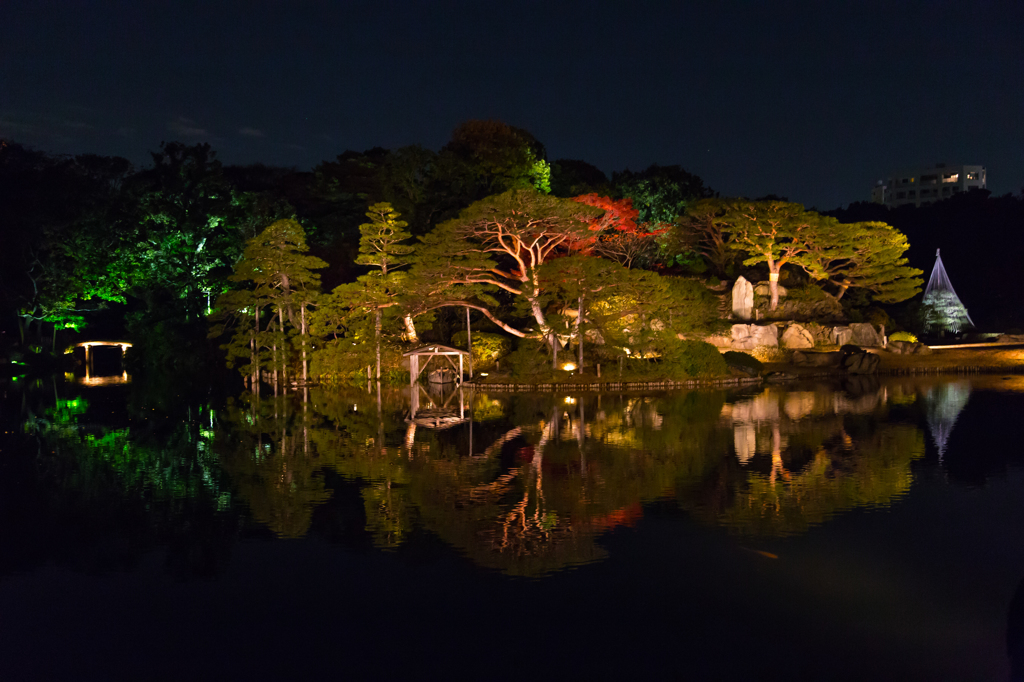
{"x":430,"y":352}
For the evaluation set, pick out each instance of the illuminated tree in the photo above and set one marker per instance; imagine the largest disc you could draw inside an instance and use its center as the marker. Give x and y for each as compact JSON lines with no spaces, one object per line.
{"x":375,"y":294}
{"x":186,"y":232}
{"x":660,"y":193}
{"x":504,"y":157}
{"x":278,"y":278}
{"x":499,"y":244}
{"x":776,"y":233}
{"x":866,"y":256}
{"x":618,"y":237}
{"x":380,"y":247}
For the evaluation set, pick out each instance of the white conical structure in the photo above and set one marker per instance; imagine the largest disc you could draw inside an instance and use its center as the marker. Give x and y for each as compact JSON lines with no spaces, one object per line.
{"x":943,"y":311}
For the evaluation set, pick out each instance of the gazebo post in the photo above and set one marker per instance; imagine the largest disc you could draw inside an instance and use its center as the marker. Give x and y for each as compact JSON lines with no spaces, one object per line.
{"x":414,"y":369}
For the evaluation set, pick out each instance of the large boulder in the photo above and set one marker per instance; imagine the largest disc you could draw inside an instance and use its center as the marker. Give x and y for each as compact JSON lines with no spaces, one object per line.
{"x":742,"y":299}
{"x":1010,"y":338}
{"x":861,"y":363}
{"x":750,"y":336}
{"x":797,"y":336}
{"x":841,"y":335}
{"x":907,"y":348}
{"x":864,"y":334}
{"x":719,"y":340}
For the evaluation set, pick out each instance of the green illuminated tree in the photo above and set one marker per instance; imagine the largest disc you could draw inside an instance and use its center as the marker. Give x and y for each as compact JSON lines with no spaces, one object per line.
{"x":660,"y":193}
{"x":186,"y":232}
{"x":866,"y":256}
{"x":278,"y":289}
{"x":776,"y":233}
{"x":502,"y":156}
{"x":375,"y":295}
{"x":380,"y":247}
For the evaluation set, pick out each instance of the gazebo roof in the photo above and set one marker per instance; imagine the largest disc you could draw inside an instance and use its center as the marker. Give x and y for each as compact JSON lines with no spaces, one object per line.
{"x":435,"y":349}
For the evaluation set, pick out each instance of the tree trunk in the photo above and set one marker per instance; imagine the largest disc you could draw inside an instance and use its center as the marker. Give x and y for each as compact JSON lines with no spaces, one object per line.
{"x":773,"y":287}
{"x":842,"y":289}
{"x":410,"y":330}
{"x":469,"y":343}
{"x":377,"y":328}
{"x":284,"y":347}
{"x":579,"y":336}
{"x":303,"y":337}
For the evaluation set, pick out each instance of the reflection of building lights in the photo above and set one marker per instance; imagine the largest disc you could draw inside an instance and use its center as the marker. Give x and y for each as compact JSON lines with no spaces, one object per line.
{"x":568,"y":367}
{"x":569,"y":400}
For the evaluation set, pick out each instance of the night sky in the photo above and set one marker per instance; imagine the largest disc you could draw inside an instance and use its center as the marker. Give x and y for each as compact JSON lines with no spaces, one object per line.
{"x":802,"y":100}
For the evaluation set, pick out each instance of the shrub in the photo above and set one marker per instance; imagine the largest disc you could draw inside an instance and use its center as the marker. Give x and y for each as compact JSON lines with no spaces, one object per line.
{"x":700,"y":359}
{"x":769,"y":354}
{"x":737,"y":359}
{"x":488,"y":348}
{"x":529,"y":361}
{"x":903,"y":336}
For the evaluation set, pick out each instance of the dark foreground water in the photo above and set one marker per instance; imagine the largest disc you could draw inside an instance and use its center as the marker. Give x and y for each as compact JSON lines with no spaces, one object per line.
{"x":872,"y":530}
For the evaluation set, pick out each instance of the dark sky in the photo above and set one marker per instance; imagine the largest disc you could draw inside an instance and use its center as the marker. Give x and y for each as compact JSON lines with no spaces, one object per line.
{"x":812,"y":100}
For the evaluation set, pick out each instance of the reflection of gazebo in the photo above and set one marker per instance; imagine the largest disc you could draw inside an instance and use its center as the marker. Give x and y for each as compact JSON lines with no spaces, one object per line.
{"x":430,"y":352}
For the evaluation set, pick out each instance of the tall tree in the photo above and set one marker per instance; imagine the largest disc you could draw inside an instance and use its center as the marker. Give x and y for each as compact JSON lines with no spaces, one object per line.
{"x":499,"y":244}
{"x":278,"y":289}
{"x":381,"y":247}
{"x":503,"y":156}
{"x":186,"y":230}
{"x":776,"y":233}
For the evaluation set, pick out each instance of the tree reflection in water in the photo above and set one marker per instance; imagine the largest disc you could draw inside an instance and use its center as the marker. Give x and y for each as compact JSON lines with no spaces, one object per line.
{"x":527,"y":485}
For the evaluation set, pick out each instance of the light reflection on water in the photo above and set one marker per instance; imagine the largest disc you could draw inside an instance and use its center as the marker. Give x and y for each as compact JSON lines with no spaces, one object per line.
{"x":522,"y":484}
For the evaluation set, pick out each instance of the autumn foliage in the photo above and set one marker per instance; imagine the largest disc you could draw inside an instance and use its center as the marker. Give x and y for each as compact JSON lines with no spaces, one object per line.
{"x":618,"y":236}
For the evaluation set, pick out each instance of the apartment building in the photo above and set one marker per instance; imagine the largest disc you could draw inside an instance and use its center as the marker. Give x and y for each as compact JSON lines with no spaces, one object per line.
{"x":926,"y":185}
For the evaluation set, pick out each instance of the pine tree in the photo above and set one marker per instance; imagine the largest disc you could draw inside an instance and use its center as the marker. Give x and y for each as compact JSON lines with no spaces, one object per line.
{"x":865,"y":256}
{"x":277,"y":277}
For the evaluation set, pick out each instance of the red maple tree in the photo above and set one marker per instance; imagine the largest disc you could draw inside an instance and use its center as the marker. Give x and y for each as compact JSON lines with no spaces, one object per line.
{"x":618,"y":236}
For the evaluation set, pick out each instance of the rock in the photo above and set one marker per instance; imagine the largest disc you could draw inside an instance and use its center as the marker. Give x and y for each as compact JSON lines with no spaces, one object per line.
{"x":797,"y":336}
{"x":779,"y":377}
{"x":763,"y":289}
{"x":864,"y":334}
{"x":719,"y":340}
{"x":898,"y":347}
{"x":817,"y":359}
{"x":861,"y":363}
{"x":742,"y":299}
{"x":1010,"y":338}
{"x":749,"y":336}
{"x":841,"y":335}
{"x":907,"y":348}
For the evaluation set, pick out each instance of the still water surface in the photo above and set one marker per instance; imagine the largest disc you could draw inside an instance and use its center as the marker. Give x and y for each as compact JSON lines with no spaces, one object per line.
{"x":867,"y":530}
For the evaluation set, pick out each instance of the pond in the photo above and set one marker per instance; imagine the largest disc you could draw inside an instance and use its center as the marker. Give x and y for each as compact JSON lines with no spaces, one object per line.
{"x":860,"y":530}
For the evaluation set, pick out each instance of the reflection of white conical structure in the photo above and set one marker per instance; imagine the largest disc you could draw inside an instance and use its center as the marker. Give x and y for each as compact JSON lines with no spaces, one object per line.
{"x":943,"y":311}
{"x":943,"y":404}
